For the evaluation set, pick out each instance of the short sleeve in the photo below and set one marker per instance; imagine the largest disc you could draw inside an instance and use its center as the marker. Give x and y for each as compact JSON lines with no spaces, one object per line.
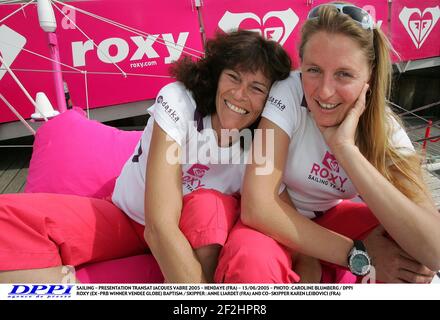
{"x":399,"y":138}
{"x":284,"y":102}
{"x":173,"y":111}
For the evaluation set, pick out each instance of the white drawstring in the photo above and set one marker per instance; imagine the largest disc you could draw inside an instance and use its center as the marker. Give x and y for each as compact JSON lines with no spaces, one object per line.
{"x":94,"y":44}
{"x":22,"y":87}
{"x":93,"y":72}
{"x":41,"y":56}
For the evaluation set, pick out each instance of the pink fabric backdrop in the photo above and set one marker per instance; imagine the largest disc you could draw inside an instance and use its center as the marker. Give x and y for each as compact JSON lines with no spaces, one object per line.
{"x":173,"y":20}
{"x":414,"y":31}
{"x":280,"y":20}
{"x":416,"y":28}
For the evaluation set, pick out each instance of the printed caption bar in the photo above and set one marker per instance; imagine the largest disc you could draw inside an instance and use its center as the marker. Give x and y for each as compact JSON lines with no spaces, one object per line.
{"x":218,"y":292}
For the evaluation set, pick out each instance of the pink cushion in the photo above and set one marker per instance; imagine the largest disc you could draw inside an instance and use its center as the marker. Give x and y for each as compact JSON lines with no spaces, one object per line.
{"x":74,"y":155}
{"x":136,"y":269}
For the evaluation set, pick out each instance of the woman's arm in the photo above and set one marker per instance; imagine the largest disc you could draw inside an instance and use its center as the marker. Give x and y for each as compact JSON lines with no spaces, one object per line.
{"x":308,"y":268}
{"x":163,"y":206}
{"x":262,"y":208}
{"x":414,"y":226}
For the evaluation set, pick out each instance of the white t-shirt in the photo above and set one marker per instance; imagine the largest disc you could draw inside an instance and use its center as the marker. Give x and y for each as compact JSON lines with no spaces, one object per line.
{"x":204,"y":163}
{"x":313,"y":177}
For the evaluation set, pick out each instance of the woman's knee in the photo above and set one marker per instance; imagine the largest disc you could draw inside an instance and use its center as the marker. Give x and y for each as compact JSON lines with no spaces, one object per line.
{"x":252,"y":257}
{"x":208,"y":258}
{"x":209,"y":252}
{"x":208,"y":216}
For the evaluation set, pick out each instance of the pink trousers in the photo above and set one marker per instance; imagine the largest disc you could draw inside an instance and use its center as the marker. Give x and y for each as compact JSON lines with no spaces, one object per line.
{"x":40,"y":230}
{"x":250,"y":256}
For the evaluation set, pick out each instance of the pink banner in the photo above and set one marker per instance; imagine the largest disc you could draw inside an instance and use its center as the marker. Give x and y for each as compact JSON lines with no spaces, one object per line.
{"x":280,"y":20}
{"x":170,"y":29}
{"x":173,"y":30}
{"x":275,"y":19}
{"x":416,"y":28}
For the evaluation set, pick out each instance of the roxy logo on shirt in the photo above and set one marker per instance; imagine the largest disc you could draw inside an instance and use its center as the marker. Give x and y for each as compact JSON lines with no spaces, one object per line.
{"x":192,"y":178}
{"x":327,"y":173}
{"x":330,"y":162}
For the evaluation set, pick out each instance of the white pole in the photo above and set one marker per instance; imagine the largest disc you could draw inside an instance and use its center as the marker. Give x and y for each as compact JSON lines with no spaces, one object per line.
{"x":46,"y":16}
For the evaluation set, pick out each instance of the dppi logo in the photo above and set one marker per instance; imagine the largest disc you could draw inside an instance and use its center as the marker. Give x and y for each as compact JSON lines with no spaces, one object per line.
{"x":40,"y":291}
{"x":231,"y":21}
{"x":419,"y":25}
{"x":10,"y":46}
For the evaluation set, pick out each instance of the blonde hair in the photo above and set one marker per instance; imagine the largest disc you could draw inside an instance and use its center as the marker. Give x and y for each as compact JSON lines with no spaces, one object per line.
{"x":375,"y":125}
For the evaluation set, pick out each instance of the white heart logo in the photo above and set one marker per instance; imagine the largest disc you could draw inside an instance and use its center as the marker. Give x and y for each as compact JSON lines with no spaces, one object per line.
{"x":231,"y":21}
{"x":419,"y":25}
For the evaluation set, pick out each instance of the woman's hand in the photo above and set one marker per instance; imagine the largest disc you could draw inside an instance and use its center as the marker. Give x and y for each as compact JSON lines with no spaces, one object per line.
{"x":343,"y":135}
{"x":391,"y":263}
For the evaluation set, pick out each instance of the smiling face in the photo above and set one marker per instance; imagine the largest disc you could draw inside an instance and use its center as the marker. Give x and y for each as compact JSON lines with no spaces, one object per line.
{"x":334,"y":70}
{"x":240,"y":99}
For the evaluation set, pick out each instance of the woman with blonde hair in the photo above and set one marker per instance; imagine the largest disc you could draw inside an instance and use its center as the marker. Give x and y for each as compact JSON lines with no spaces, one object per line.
{"x":336,"y":139}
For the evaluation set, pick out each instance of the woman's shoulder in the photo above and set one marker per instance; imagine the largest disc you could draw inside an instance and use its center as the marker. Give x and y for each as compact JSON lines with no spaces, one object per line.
{"x":398,"y":136}
{"x":289,"y":86}
{"x":283,"y":106}
{"x":293,"y":78}
{"x":393,"y":121}
{"x":173,"y":88}
{"x":176,"y":94}
{"x":174,"y":105}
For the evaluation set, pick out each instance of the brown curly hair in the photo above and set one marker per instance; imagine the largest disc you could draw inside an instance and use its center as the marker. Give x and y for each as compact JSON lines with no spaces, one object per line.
{"x":240,"y":50}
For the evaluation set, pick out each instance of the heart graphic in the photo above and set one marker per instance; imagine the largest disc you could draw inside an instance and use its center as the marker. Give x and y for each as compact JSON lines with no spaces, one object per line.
{"x":231,"y":21}
{"x":330,"y":162}
{"x":419,"y":25}
{"x":199,"y":173}
{"x":274,"y":33}
{"x":334,"y":165}
{"x":198,"y":170}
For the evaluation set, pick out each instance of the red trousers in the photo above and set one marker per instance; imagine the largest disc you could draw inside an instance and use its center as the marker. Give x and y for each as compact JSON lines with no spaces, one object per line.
{"x":40,"y":230}
{"x":250,"y":256}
